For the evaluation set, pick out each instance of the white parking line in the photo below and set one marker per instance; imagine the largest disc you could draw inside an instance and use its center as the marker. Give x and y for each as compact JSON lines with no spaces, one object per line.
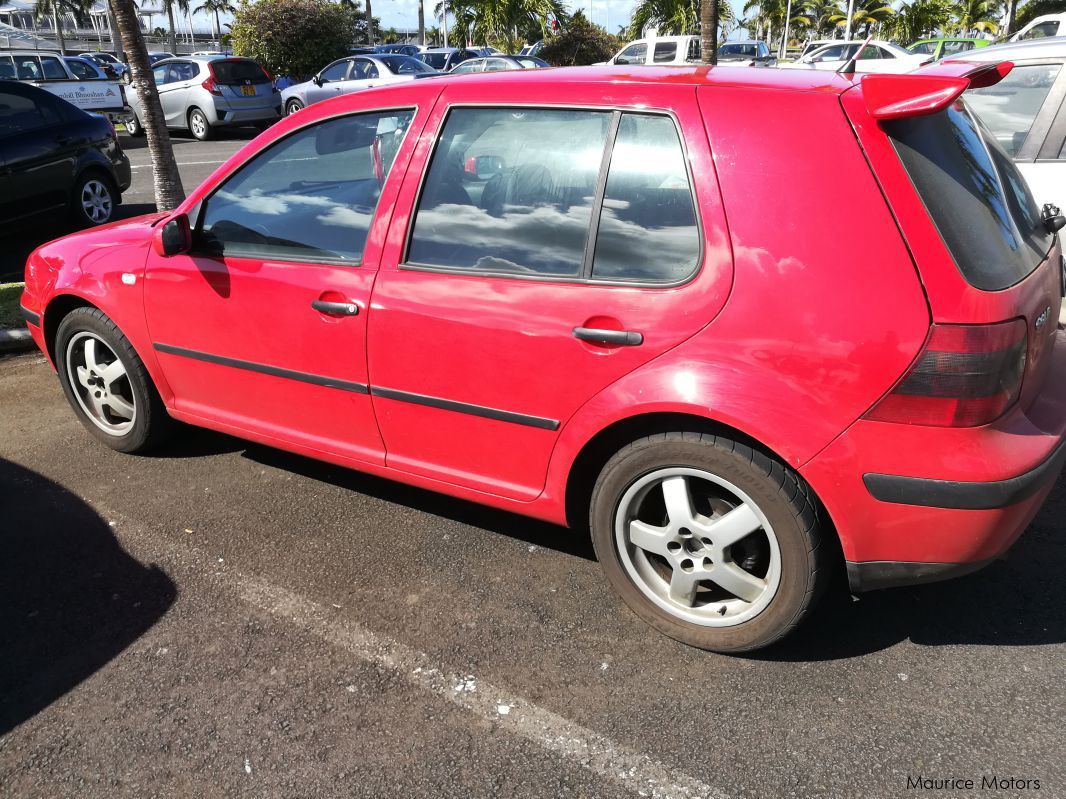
{"x":180,"y":163}
{"x":632,"y":770}
{"x":495,"y":704}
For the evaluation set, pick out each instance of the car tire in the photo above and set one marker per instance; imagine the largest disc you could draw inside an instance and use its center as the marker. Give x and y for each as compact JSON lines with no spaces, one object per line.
{"x":292,"y":107}
{"x":94,"y":199}
{"x":134,"y":127}
{"x":107,"y":384}
{"x":199,"y":126}
{"x":666,"y":492}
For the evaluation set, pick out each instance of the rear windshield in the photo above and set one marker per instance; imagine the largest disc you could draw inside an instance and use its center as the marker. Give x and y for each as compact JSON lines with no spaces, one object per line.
{"x":435,"y":60}
{"x":975,"y":196}
{"x":227,"y":72}
{"x":405,"y":65}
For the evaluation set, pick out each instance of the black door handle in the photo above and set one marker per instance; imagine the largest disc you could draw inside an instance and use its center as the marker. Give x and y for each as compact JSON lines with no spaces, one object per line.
{"x":621,"y":338}
{"x":339,"y":308}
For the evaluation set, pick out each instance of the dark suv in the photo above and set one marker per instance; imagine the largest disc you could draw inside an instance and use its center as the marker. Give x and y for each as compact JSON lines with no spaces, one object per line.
{"x":55,"y":156}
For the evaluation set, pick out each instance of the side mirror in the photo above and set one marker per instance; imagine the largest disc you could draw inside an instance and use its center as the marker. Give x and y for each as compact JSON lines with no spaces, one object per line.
{"x":317,"y":80}
{"x":483,"y":167}
{"x":174,"y":237}
{"x":1054,"y":221}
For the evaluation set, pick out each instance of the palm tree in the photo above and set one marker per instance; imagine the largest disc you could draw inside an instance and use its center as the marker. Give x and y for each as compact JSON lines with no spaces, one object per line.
{"x":867,"y":13}
{"x":421,"y":21}
{"x":168,"y":189}
{"x":57,"y":10}
{"x":920,"y":18}
{"x":216,"y":7}
{"x":674,"y":17}
{"x":183,"y":7}
{"x":498,"y":21}
{"x":977,"y":15}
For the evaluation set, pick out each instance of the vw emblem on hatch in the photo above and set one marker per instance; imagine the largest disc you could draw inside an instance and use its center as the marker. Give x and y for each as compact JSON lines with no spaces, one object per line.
{"x":1040,"y":320}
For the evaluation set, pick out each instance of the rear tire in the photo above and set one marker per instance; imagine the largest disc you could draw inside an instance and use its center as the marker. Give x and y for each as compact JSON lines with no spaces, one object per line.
{"x":134,"y":127}
{"x":292,"y":107}
{"x":107,"y":384}
{"x":708,"y":541}
{"x":199,"y":126}
{"x":94,"y":200}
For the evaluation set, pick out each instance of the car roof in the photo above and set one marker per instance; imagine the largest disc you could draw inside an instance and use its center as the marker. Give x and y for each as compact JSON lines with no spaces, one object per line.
{"x":1052,"y":47}
{"x":29,"y":52}
{"x":802,"y":80}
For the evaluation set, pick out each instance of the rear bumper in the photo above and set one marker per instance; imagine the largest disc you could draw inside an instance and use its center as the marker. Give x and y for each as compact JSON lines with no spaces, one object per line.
{"x":270,"y":109}
{"x":915,"y":504}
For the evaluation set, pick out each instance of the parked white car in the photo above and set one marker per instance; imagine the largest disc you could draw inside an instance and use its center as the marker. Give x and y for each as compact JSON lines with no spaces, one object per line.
{"x":660,"y":51}
{"x":51,"y":73}
{"x":877,"y":56}
{"x":1026,"y":111}
{"x":353,"y":74}
{"x":1043,"y":27}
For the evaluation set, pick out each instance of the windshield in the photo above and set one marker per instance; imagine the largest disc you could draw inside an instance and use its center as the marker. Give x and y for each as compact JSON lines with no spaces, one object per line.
{"x":974,"y":194}
{"x":404,"y":65}
{"x":435,"y":60}
{"x":746,"y":50}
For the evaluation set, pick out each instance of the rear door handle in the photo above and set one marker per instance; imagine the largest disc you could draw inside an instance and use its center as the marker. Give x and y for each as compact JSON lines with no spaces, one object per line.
{"x":619,"y":338}
{"x":338,"y":308}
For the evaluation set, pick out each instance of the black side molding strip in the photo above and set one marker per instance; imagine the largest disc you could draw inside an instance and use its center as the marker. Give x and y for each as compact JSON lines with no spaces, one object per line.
{"x":965,"y":495}
{"x":262,"y":368}
{"x":875,"y":574}
{"x":31,"y":317}
{"x":465,"y":407}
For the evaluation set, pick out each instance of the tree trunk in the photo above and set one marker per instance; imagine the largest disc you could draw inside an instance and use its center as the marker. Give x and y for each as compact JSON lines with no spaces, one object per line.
{"x":421,"y":21}
{"x":709,"y":31}
{"x":218,"y":29}
{"x":57,"y":20}
{"x":116,"y":42}
{"x":369,"y":24}
{"x":1012,"y":15}
{"x":173,"y":34}
{"x":168,"y":189}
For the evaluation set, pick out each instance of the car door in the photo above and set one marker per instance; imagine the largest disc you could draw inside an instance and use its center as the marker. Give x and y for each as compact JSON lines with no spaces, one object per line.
{"x":1026,"y":112}
{"x":331,"y":80}
{"x":261,"y":327}
{"x":499,"y":309}
{"x":175,"y":100}
{"x":39,"y":151}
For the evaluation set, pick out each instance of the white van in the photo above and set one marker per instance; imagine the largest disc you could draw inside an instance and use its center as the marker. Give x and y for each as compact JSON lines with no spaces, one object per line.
{"x":1042,"y":27}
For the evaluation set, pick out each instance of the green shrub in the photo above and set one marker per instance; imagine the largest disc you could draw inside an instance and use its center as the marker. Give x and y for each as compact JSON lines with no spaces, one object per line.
{"x":294,"y":37}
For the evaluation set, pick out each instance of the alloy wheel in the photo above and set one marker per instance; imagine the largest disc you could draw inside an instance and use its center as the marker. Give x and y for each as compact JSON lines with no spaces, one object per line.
{"x":101,"y":384}
{"x":698,"y":547}
{"x":96,"y":202}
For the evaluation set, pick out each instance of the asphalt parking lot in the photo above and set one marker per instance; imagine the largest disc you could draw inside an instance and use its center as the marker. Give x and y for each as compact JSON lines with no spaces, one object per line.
{"x":223,"y":619}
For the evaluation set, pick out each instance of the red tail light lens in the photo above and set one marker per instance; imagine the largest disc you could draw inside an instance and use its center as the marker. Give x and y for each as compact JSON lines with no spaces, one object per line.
{"x":966,"y":376}
{"x":273,"y":84}
{"x":212,"y":87}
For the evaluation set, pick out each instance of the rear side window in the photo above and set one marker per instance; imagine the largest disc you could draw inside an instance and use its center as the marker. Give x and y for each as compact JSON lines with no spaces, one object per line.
{"x":237,"y":72}
{"x":52,"y":69}
{"x":647,"y":226}
{"x":18,"y":114}
{"x":1009,"y":107}
{"x":664,"y":51}
{"x":974,"y":194}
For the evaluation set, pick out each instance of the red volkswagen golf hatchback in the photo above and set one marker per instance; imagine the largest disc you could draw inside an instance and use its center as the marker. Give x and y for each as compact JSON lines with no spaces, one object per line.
{"x":746,"y":354}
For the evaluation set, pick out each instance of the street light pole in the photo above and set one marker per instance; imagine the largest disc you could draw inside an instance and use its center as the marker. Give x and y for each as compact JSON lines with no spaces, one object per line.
{"x":851,"y":14}
{"x":784,"y":36}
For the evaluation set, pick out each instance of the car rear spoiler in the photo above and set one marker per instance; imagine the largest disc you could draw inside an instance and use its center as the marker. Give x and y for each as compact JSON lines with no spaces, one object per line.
{"x":930,"y":89}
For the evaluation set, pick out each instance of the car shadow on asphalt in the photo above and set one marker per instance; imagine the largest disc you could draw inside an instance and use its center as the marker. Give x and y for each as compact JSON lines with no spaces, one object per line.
{"x":71,"y":598}
{"x":1017,"y":601}
{"x":531,"y":531}
{"x":15,"y":248}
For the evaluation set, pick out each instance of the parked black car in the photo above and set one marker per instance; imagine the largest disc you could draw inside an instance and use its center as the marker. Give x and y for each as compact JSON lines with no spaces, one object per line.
{"x":54,"y":156}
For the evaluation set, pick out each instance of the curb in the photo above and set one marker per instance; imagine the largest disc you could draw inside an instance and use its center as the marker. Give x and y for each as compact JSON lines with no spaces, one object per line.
{"x":18,"y":340}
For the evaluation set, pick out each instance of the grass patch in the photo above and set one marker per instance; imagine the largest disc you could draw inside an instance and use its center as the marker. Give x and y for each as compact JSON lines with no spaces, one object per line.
{"x":10,"y":316}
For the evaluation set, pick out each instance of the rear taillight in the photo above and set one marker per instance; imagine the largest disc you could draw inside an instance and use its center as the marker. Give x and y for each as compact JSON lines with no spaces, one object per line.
{"x":270,"y":80}
{"x":967,"y":375}
{"x":212,"y":87}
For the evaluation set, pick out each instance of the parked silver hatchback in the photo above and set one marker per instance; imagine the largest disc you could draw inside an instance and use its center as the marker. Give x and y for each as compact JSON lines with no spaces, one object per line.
{"x":202,"y":93}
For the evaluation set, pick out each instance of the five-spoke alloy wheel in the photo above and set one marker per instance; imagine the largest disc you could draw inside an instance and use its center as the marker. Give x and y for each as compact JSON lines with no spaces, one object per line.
{"x":107,"y":383}
{"x":708,"y":540}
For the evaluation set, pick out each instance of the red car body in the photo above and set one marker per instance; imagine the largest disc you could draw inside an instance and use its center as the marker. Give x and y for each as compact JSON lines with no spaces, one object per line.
{"x":822,"y":279}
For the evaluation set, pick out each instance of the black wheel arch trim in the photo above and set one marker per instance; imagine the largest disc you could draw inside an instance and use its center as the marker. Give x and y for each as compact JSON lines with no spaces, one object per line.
{"x":32,"y":317}
{"x":965,"y":495}
{"x":876,"y":574}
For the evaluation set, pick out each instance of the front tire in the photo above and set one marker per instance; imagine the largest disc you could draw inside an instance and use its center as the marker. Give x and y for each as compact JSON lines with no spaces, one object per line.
{"x":199,"y":125}
{"x":94,"y":199}
{"x":107,"y":384}
{"x":707,"y":540}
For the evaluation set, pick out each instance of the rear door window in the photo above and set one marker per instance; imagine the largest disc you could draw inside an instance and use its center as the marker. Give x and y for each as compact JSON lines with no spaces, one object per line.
{"x":665,"y":52}
{"x":52,"y":69}
{"x":1010,"y":107}
{"x":974,"y":194}
{"x":647,"y":229}
{"x":235,"y":72}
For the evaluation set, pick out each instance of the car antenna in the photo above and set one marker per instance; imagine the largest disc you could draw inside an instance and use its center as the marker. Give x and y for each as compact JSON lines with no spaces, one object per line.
{"x":848,"y":67}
